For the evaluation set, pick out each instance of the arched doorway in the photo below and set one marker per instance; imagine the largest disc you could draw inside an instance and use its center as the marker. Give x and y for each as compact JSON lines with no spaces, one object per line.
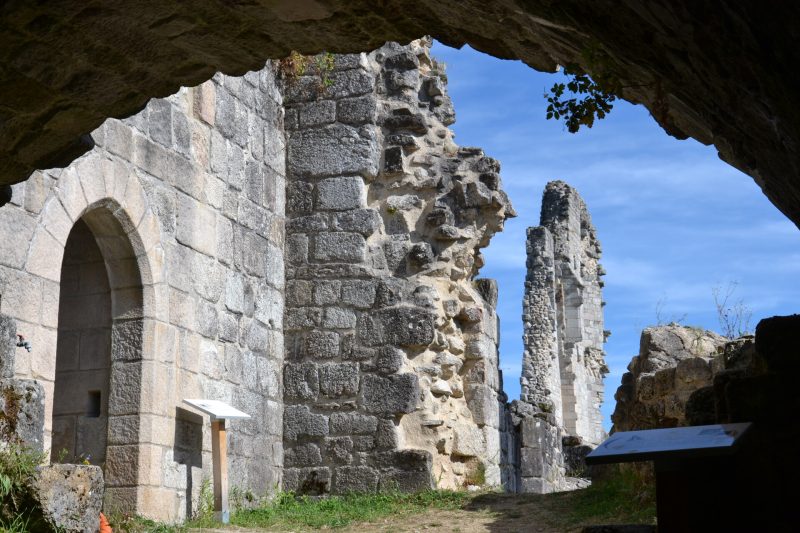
{"x":99,"y":333}
{"x":83,"y":352}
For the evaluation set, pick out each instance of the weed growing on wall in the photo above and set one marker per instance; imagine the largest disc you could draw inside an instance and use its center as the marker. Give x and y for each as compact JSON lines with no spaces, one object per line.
{"x":296,"y":65}
{"x":17,"y":471}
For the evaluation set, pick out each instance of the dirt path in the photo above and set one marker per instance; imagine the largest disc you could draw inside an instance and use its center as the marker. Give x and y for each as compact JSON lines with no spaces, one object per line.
{"x":488,"y":513}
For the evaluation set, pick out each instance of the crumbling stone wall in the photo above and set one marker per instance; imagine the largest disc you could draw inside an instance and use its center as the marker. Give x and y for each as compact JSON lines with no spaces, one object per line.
{"x":185,"y":201}
{"x":563,"y":361}
{"x":674,"y":361}
{"x":392,"y":368}
{"x":563,"y":364}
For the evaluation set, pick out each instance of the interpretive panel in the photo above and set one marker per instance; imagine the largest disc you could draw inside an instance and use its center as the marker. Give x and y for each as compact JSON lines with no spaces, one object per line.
{"x":652,"y":444}
{"x":217,"y":410}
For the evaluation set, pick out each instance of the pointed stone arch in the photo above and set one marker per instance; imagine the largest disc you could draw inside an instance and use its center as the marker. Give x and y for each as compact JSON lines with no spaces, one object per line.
{"x":107,"y":197}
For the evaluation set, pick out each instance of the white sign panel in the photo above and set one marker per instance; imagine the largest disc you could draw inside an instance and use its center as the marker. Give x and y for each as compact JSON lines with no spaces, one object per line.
{"x":645,"y":445}
{"x":217,"y":410}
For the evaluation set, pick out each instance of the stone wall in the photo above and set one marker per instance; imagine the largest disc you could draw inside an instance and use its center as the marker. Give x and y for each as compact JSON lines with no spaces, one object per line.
{"x":563,"y":361}
{"x":185,"y":202}
{"x":673,"y":362}
{"x":392,"y":368}
{"x":563,"y":364}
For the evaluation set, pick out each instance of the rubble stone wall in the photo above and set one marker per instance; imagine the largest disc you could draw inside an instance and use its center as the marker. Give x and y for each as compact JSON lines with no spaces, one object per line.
{"x":564,"y":364}
{"x":563,"y":361}
{"x":185,"y":201}
{"x":673,"y":362}
{"x":392,"y":372}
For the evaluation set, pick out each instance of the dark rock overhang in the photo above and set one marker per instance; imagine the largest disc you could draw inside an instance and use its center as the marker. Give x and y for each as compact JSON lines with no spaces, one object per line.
{"x":721,"y":72}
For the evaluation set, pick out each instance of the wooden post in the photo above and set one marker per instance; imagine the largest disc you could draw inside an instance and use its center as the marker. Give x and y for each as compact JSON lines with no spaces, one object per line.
{"x":219,"y":451}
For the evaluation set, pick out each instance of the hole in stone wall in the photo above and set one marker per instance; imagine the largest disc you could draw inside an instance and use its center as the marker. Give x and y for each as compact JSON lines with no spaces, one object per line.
{"x":94,"y":403}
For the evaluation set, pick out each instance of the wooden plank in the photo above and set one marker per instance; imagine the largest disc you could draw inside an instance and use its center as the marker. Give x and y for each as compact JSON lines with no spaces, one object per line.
{"x":219,"y":452}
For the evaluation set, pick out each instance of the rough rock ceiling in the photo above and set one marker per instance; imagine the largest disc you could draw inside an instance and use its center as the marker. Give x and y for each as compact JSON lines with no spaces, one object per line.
{"x":722,"y":72}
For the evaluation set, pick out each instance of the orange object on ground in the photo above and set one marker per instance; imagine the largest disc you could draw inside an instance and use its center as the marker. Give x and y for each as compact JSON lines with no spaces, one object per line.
{"x":105,"y":527}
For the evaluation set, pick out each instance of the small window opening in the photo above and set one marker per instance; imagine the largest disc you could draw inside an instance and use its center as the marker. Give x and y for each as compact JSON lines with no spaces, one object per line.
{"x":93,"y":405}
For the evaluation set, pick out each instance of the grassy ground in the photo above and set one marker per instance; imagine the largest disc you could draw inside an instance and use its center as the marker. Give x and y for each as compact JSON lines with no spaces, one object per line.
{"x":618,"y":499}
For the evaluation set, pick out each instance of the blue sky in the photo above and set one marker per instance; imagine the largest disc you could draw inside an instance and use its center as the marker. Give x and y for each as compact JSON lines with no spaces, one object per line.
{"x":674,"y":220}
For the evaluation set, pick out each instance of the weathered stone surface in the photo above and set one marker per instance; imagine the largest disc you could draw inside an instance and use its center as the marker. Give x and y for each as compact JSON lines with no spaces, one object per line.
{"x":314,"y":480}
{"x":335,"y":150}
{"x":386,"y":310}
{"x":8,"y":346}
{"x":322,"y":344}
{"x":343,"y":247}
{"x":402,"y":326}
{"x":340,"y":194}
{"x":673,"y":362}
{"x":300,"y":381}
{"x":358,"y":293}
{"x":338,"y":379}
{"x":22,"y":412}
{"x":468,"y":441}
{"x":390,"y":395}
{"x":408,"y":470}
{"x":69,"y":497}
{"x":389,"y":360}
{"x":347,"y":479}
{"x":563,"y":273}
{"x":303,"y":455}
{"x":299,"y":421}
{"x":353,"y":424}
{"x":363,"y":221}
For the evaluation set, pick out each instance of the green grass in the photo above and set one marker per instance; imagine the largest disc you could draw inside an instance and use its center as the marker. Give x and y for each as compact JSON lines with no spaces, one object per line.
{"x":620,"y":497}
{"x":287,"y":512}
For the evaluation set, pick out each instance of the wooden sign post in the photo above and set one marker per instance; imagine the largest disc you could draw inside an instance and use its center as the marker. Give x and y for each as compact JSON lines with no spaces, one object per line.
{"x":219,"y":413}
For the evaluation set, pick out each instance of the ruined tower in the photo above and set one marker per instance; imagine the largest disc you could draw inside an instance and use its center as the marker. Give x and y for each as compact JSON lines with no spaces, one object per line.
{"x":563,"y":364}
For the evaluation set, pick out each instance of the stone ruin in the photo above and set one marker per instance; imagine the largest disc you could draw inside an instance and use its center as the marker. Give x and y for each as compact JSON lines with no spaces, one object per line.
{"x":302,"y":244}
{"x":563,"y":365}
{"x":686,"y":376}
{"x":674,"y":361}
{"x":563,"y":362}
{"x":391,"y":374}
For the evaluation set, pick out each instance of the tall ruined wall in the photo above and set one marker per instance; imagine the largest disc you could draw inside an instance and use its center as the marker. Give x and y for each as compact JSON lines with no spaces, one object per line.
{"x":563,"y":364}
{"x":392,"y":367}
{"x":185,"y":202}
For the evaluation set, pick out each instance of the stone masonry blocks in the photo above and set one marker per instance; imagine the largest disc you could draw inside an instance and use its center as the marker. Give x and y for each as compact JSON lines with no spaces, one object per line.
{"x":386,"y":219}
{"x":340,"y":194}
